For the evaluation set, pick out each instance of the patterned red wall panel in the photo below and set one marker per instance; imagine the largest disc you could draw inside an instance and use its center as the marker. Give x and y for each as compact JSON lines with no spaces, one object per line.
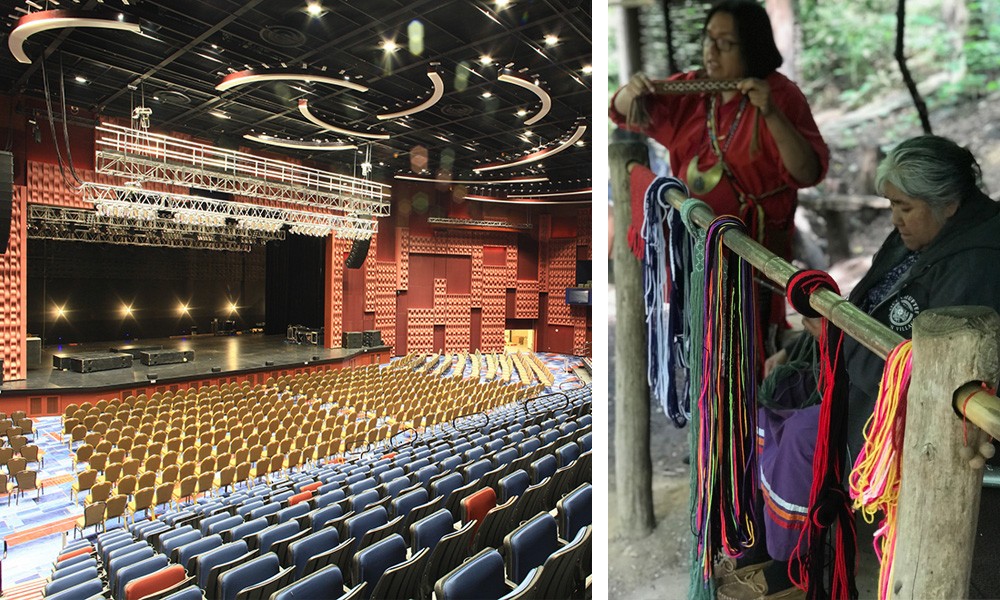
{"x":511,"y":265}
{"x":543,"y":267}
{"x":440,"y":293}
{"x":584,"y":231}
{"x":371,"y":278}
{"x":562,"y":274}
{"x":420,"y":330}
{"x":13,"y":295}
{"x":477,"y":276}
{"x":579,"y":338}
{"x":46,"y":186}
{"x":402,"y":258}
{"x":526,"y":300}
{"x":337,"y":295}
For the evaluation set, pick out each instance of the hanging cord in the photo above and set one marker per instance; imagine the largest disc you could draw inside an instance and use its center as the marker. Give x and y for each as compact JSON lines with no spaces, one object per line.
{"x":726,"y":454}
{"x":52,"y":129}
{"x":65,"y":122}
{"x":660,"y":338}
{"x":875,"y":479}
{"x":692,"y":274}
{"x":828,"y":500}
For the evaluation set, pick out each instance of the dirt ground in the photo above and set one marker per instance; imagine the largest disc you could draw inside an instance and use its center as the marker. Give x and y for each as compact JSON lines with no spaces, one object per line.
{"x":657,"y":565}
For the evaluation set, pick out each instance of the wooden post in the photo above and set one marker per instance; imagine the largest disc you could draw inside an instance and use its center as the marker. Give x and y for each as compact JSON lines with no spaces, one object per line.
{"x":633,"y":464}
{"x":939,"y":495}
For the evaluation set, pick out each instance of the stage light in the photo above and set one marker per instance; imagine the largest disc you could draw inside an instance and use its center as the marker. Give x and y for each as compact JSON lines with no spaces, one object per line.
{"x":59,"y":312}
{"x":314,"y":9}
{"x":551,"y":40}
{"x":81,"y":79}
{"x":521,"y":112}
{"x":126,"y":310}
{"x":502,"y":4}
{"x":232,"y":307}
{"x":182,"y":309}
{"x":390,"y":45}
{"x":587,"y":69}
{"x":486,"y":60}
{"x":487,"y":94}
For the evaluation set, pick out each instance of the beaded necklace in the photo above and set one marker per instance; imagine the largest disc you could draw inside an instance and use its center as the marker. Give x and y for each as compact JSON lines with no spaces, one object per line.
{"x":702,"y":182}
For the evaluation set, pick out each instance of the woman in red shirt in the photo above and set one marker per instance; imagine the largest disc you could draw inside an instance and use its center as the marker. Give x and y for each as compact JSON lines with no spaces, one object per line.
{"x":745,"y":151}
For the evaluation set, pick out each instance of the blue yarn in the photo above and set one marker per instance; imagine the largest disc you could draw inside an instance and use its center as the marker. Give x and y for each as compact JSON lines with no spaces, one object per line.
{"x":665,"y":328}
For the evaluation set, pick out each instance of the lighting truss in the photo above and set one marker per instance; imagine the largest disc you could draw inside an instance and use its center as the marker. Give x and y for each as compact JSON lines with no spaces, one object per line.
{"x":134,"y":202}
{"x":140,"y":155}
{"x":475,"y":223}
{"x":142,"y":229}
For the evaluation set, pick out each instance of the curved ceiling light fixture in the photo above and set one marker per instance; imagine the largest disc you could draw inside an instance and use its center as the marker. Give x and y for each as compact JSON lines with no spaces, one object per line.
{"x":536,"y":156}
{"x":527,"y":179}
{"x":304,"y":109}
{"x":250,"y":76}
{"x":298,"y":144}
{"x":508,"y":76}
{"x":435,"y":78}
{"x":45,"y":20}
{"x":579,"y":192}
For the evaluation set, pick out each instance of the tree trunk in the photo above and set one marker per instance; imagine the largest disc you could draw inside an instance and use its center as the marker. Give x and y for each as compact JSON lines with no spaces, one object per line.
{"x":939,"y":492}
{"x":633,"y":464}
{"x":918,"y":100}
{"x":782,"y":15}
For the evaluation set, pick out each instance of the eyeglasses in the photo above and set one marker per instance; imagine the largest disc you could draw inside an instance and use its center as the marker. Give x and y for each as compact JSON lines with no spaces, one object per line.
{"x":721,"y":44}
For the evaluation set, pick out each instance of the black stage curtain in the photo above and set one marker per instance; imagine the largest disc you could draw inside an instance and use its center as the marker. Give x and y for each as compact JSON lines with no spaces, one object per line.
{"x":295,"y":288}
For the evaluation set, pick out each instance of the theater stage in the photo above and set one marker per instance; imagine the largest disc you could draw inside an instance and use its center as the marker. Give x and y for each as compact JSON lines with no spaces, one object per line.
{"x":47,"y":390}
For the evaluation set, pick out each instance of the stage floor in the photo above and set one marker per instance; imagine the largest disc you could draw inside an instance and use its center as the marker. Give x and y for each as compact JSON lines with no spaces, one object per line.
{"x":231,"y":354}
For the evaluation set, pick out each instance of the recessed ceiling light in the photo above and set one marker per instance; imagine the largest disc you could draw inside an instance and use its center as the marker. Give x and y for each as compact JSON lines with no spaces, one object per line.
{"x":502,"y":4}
{"x":80,"y":79}
{"x":487,"y":94}
{"x":521,"y":112}
{"x":390,"y":45}
{"x":528,"y":133}
{"x":587,"y":69}
{"x":219,"y":114}
{"x":486,"y":59}
{"x":314,"y":9}
{"x":551,"y":39}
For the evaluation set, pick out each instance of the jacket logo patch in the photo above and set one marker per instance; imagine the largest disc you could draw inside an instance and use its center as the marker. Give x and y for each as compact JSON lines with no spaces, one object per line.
{"x":902,"y":313}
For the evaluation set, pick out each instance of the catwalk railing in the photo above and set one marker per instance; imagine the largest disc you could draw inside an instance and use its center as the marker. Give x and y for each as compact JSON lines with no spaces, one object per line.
{"x":956,"y":354}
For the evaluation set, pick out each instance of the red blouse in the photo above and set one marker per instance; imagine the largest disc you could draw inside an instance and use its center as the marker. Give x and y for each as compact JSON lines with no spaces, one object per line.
{"x":680,"y":122}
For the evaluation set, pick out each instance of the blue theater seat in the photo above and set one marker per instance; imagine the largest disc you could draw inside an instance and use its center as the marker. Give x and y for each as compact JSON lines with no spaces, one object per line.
{"x":480,"y":578}
{"x":371,"y":562}
{"x":316,"y":543}
{"x":324,"y":583}
{"x":529,"y":545}
{"x":187,"y":551}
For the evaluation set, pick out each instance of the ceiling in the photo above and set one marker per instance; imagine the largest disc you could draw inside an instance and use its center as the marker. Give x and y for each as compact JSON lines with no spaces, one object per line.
{"x":187,"y":47}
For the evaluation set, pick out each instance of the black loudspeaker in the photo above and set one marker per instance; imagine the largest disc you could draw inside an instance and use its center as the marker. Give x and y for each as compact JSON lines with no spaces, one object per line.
{"x":359,"y":251}
{"x":372,"y":337}
{"x":351,"y":339}
{"x":7,"y":197}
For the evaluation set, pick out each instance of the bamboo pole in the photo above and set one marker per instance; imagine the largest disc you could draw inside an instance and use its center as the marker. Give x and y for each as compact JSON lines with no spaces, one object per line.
{"x":981,"y":409}
{"x":940,"y":492}
{"x":633,"y":460}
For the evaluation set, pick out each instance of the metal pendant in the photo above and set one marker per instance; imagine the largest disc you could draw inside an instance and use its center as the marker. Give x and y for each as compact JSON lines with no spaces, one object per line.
{"x":703,"y":182}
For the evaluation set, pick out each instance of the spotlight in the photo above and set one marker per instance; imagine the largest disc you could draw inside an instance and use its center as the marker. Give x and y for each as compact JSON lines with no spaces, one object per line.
{"x":551,"y":39}
{"x":182,"y":309}
{"x":390,"y":45}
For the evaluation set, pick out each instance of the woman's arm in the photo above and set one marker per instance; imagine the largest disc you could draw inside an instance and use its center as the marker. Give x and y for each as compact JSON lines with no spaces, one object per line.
{"x":638,"y":85}
{"x":796,"y":153}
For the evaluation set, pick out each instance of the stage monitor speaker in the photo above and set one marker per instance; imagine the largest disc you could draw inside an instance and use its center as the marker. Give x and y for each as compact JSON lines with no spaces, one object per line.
{"x":351,"y":339}
{"x":372,"y":337}
{"x":359,"y":250}
{"x":7,"y":197}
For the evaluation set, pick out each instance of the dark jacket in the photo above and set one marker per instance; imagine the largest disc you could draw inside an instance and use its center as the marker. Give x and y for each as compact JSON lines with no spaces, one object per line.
{"x":960,"y":267}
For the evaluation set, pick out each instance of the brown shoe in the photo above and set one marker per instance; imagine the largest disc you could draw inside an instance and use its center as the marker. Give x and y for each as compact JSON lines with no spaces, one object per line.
{"x":726,"y":572}
{"x":754,"y":587}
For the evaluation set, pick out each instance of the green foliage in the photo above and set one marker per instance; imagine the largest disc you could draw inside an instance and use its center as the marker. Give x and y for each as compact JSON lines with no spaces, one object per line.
{"x":849,"y":47}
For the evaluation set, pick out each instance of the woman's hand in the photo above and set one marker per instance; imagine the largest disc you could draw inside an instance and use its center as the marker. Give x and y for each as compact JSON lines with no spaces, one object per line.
{"x":813,"y":326}
{"x":638,"y":85}
{"x":758,"y":92}
{"x":778,"y":358}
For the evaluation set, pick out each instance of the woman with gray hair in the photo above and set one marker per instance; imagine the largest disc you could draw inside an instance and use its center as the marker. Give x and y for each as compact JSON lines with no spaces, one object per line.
{"x":944,"y":251}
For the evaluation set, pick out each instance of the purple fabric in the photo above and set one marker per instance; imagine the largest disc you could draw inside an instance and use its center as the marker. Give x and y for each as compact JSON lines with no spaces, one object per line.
{"x":787,"y":439}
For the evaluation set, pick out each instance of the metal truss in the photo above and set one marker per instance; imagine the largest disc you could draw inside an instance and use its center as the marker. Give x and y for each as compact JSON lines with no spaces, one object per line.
{"x":137,"y":203}
{"x":474,"y":223}
{"x":82,"y":225}
{"x":139,"y":155}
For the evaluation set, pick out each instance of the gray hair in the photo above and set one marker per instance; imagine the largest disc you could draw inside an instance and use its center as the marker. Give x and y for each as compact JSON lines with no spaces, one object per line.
{"x":933,"y":169}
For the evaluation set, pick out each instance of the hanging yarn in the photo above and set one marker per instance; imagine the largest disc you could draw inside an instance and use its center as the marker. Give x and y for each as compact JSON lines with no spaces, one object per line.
{"x":663,"y":336}
{"x":875,"y":479}
{"x":726,"y":456}
{"x":828,"y":501}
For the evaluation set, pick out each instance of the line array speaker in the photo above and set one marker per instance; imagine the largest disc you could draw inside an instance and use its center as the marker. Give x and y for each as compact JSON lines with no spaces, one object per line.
{"x":6,"y":197}
{"x":359,"y":251}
